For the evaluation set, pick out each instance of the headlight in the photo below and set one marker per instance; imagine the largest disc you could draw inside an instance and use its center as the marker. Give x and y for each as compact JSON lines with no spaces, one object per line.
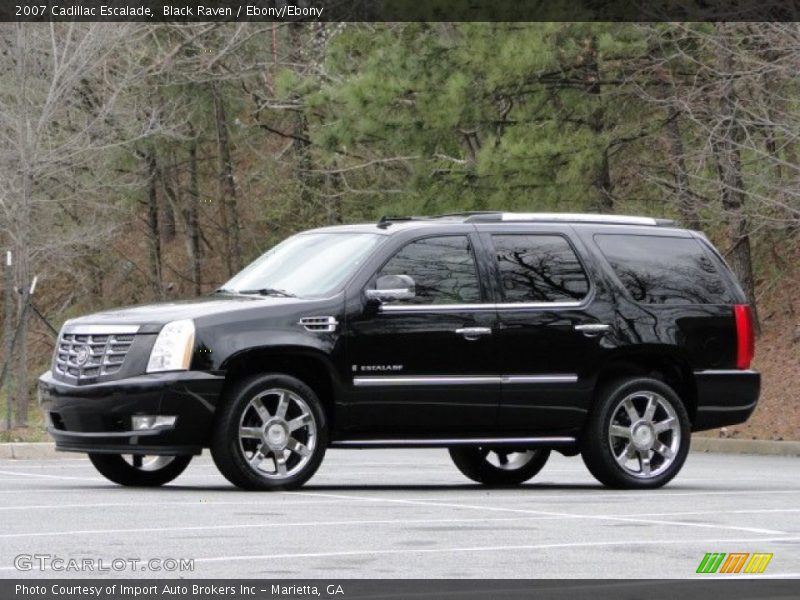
{"x":173,"y":348}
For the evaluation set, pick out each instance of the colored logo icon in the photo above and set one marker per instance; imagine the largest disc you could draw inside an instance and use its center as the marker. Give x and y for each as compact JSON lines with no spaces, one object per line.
{"x":735,"y":562}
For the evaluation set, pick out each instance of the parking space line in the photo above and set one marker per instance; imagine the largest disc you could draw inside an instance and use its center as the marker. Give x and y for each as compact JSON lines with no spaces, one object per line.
{"x":536,"y":494}
{"x":548,"y":513}
{"x":563,"y":545}
{"x":343,"y":523}
{"x":188,"y":503}
{"x":467,"y":549}
{"x":347,"y":523}
{"x":45,"y":476}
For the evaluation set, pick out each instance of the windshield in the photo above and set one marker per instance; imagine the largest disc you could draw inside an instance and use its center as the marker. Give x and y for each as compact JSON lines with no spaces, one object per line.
{"x":308,"y":265}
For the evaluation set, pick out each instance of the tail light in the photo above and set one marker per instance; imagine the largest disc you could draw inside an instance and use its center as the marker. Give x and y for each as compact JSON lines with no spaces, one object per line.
{"x":745,"y":338}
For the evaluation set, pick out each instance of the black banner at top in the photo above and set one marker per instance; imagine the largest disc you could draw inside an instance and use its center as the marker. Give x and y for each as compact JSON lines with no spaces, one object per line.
{"x":399,"y":10}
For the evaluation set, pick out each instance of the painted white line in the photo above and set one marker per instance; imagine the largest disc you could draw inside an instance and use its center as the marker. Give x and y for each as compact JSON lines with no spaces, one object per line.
{"x":22,"y":462}
{"x":189,"y":503}
{"x":467,"y":549}
{"x":544,"y":513}
{"x":568,"y":545}
{"x":344,"y":523}
{"x":43,"y":476}
{"x":537,"y":494}
{"x":744,"y":511}
{"x":14,"y":479}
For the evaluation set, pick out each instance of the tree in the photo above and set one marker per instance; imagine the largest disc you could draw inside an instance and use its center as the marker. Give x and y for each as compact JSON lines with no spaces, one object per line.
{"x":62,"y":111}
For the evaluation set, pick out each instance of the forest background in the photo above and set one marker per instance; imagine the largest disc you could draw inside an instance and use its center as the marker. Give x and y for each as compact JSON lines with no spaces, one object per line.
{"x":144,"y":162}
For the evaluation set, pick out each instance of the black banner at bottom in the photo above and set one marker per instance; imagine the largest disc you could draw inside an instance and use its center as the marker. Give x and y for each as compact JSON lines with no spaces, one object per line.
{"x":390,"y":589}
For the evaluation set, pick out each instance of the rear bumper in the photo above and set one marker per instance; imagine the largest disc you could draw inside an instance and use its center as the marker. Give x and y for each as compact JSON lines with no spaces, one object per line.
{"x":725,"y":397}
{"x":97,"y":418}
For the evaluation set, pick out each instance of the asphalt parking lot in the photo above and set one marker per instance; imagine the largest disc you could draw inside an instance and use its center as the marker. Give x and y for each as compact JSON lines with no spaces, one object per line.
{"x":407,"y":514}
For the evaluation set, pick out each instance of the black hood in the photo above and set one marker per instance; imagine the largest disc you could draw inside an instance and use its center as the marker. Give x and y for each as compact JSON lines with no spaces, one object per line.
{"x":153,"y":316}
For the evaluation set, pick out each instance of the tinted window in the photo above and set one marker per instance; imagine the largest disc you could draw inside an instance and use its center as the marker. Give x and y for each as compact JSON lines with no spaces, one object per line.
{"x":443,"y":270}
{"x":664,"y":270}
{"x":539,"y":268}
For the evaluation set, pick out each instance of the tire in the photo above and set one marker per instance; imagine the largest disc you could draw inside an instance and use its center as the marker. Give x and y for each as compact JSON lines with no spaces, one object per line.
{"x":643,"y":448}
{"x":141,"y":471}
{"x":512,"y":468}
{"x":270,"y":434}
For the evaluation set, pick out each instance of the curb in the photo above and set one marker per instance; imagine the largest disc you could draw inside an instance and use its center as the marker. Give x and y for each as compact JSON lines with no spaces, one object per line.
{"x":731,"y":446}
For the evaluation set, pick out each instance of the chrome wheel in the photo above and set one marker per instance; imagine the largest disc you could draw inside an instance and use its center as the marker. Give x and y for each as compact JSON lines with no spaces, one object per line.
{"x":644,"y":434}
{"x":149,"y":463}
{"x":277,"y":433}
{"x":138,"y":470}
{"x":505,"y":459}
{"x":497,"y":465}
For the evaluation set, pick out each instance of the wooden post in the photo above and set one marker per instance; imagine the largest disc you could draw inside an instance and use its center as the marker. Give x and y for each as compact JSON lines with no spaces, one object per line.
{"x":26,"y":302}
{"x":7,"y":329}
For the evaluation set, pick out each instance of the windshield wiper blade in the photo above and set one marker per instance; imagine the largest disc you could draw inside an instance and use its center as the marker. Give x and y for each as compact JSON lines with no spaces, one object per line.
{"x":224,"y":291}
{"x":269,"y":292}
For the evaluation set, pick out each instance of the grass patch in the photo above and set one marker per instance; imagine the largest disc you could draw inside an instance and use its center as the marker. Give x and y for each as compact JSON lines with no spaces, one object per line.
{"x":34,"y":432}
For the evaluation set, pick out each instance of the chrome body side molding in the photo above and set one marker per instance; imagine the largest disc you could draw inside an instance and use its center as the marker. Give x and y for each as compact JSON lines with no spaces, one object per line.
{"x":470,"y":307}
{"x":447,"y":442}
{"x":725,"y":372}
{"x":394,"y":381}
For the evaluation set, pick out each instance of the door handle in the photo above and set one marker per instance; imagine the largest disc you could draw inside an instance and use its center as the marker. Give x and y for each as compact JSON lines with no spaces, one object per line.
{"x":473,"y":333}
{"x":593,"y":329}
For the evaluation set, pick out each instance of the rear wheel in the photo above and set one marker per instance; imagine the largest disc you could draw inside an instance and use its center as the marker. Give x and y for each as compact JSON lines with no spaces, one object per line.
{"x":638,"y":434}
{"x":138,"y":470}
{"x":499,"y":466}
{"x":271,"y":433}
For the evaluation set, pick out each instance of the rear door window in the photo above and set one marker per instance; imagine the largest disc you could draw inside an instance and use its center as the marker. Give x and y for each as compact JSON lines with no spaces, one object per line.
{"x":539,"y":268}
{"x":664,"y":269}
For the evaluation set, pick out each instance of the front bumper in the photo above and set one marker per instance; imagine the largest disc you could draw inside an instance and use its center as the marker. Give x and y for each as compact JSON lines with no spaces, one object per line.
{"x":97,"y":417}
{"x":725,"y":397}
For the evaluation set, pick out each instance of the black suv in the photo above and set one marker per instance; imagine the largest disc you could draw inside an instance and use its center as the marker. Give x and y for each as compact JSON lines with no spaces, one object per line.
{"x":498,"y":336}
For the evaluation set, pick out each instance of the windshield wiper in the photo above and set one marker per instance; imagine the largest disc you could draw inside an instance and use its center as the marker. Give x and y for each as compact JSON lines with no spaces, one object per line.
{"x":269,"y":292}
{"x":224,"y":291}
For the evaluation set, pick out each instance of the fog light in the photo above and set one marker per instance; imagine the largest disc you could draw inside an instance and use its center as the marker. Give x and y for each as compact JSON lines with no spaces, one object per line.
{"x":140,"y":422}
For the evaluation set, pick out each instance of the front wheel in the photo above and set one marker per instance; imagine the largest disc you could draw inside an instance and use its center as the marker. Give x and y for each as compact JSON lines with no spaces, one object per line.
{"x":499,"y":466}
{"x":637,"y":436}
{"x":139,"y":471}
{"x":271,"y":433}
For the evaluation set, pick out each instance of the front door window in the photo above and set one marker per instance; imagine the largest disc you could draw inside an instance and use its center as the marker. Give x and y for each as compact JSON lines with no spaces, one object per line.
{"x":443,"y":270}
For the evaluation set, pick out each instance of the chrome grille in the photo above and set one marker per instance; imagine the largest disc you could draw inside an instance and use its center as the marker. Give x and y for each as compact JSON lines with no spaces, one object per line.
{"x":91,"y":355}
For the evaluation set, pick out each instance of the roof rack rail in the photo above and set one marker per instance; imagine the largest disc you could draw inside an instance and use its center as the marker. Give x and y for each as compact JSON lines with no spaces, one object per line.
{"x":472,"y":213}
{"x":572,"y":218}
{"x":485,"y":216}
{"x":387,"y":220}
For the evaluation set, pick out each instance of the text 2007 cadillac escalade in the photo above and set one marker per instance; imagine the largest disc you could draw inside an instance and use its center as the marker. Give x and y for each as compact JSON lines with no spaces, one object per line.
{"x":498,"y":336}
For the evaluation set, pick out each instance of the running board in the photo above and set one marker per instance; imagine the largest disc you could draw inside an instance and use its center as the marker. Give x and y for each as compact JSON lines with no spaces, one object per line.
{"x":447,"y":442}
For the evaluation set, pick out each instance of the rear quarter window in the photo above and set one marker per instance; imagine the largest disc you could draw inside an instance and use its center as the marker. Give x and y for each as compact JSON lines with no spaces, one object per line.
{"x":664,"y":269}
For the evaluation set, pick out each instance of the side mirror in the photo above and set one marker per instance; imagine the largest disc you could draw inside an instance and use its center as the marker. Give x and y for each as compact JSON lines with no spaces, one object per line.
{"x":392,"y":287}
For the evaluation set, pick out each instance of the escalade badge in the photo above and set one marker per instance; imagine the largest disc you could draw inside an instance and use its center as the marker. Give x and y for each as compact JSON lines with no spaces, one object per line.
{"x":82,"y":355}
{"x":379,"y":368}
